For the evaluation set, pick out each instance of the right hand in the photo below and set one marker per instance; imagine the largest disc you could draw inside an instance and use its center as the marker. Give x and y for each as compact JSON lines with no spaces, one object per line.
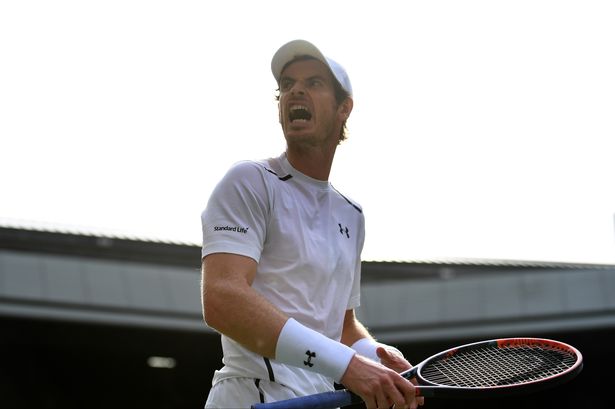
{"x":379,"y":386}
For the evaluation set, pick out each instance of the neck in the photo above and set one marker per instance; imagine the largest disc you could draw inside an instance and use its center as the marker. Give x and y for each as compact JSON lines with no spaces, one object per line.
{"x":315,"y":162}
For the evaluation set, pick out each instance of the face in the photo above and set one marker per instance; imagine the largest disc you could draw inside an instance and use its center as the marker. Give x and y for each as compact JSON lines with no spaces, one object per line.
{"x":309,"y":113}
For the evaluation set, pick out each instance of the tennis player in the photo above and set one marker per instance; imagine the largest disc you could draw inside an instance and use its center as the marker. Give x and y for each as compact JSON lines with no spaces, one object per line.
{"x":282,"y":259}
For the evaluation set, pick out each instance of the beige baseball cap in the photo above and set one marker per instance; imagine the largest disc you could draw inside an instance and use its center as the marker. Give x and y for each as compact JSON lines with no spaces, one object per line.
{"x":299,"y":48}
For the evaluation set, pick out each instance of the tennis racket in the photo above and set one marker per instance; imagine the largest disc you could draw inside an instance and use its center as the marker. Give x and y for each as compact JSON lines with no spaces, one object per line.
{"x":499,"y":367}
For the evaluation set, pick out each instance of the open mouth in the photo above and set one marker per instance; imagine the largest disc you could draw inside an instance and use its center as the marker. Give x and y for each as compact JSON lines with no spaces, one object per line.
{"x":299,"y":113}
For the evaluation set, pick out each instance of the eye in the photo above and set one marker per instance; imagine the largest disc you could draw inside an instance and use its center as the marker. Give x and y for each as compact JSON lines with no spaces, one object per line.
{"x":316,"y":82}
{"x":285,"y":84}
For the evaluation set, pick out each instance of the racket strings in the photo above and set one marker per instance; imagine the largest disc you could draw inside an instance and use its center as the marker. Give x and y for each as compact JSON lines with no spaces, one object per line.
{"x":498,"y":366}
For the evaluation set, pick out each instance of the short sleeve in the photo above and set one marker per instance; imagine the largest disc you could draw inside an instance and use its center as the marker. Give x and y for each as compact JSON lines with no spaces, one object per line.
{"x":236,"y":215}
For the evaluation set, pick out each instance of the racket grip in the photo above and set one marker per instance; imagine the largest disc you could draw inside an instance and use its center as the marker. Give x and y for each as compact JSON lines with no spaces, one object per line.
{"x":325,"y":400}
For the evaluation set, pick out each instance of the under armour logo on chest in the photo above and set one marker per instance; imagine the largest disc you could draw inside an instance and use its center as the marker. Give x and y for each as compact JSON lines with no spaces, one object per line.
{"x":344,"y":230}
{"x":310,"y":355}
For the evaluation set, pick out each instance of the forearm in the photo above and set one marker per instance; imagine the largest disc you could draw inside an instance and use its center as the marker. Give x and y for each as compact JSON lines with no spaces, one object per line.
{"x":353,"y":330}
{"x":232,"y":307}
{"x":254,"y":322}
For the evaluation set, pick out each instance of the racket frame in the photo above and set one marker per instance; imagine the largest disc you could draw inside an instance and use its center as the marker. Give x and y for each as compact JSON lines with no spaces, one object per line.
{"x":427,"y":388}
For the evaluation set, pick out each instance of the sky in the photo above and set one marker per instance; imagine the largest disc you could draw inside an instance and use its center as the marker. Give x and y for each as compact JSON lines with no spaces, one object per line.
{"x":480,"y":129}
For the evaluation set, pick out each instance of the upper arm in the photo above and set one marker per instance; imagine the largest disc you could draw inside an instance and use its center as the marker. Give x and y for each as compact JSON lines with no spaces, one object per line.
{"x":218,"y":268}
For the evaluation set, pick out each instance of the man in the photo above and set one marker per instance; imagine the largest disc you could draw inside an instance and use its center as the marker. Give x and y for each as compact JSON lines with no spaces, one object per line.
{"x":281,"y":258}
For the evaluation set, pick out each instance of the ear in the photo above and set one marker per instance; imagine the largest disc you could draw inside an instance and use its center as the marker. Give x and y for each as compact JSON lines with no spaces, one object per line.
{"x":279,"y":114}
{"x":345,"y":108}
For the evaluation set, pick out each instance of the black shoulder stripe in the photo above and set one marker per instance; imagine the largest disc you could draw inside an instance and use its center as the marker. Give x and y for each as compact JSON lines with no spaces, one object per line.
{"x":357,"y":208}
{"x":282,"y":178}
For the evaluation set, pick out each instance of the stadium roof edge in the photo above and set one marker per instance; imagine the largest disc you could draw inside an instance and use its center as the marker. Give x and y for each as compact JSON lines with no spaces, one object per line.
{"x":56,"y":238}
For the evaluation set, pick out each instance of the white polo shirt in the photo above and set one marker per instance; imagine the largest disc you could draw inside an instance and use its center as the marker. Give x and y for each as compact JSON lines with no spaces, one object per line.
{"x":307,"y":239}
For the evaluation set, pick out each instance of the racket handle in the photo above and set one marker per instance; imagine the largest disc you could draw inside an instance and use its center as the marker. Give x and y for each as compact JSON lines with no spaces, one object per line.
{"x":324,"y":400}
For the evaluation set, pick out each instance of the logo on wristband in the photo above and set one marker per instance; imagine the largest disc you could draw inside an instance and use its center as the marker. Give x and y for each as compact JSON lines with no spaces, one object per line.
{"x":310,"y":355}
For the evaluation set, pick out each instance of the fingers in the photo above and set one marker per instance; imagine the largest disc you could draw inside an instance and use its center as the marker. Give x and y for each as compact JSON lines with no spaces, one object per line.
{"x":387,"y":399}
{"x":403,"y":398}
{"x":381,"y":400}
{"x":411,"y":395}
{"x":379,"y":386}
{"x":388,"y":354}
{"x":393,"y":359}
{"x":419,"y":399}
{"x":397,"y":392}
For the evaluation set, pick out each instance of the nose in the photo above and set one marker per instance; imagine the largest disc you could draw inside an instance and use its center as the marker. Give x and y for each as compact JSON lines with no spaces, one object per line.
{"x":298,"y":88}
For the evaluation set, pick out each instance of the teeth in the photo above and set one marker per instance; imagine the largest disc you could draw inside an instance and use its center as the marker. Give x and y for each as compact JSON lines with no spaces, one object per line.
{"x":295,"y":107}
{"x":299,"y":113}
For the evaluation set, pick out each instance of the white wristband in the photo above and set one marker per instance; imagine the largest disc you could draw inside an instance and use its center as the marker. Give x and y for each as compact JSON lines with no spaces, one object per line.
{"x":367,"y":347}
{"x":305,"y":348}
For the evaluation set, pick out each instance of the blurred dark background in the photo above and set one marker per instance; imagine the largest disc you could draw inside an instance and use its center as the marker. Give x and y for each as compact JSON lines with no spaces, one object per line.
{"x":60,"y":350}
